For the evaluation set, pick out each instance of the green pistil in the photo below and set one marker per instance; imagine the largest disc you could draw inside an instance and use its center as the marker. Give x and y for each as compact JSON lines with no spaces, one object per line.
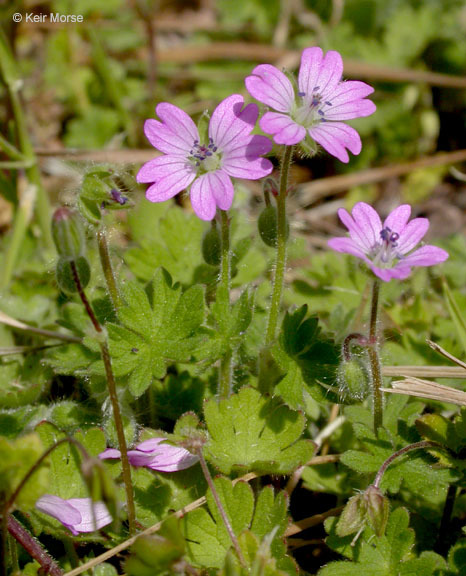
{"x":206,"y":158}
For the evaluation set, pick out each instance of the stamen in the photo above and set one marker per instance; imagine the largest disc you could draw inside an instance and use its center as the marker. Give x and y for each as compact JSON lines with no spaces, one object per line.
{"x":301,"y":94}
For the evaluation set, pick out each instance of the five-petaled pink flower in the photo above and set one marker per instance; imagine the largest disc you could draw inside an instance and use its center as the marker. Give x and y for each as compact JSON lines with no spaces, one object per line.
{"x":156,"y":456}
{"x":386,"y":248}
{"x":322,"y":100}
{"x":76,"y":514}
{"x":205,"y":167}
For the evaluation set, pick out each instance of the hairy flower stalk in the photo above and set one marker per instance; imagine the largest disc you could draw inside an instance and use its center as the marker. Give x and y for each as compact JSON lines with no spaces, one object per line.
{"x":111,"y":384}
{"x":226,"y":363}
{"x":387,"y":248}
{"x":107,"y":268}
{"x":280,"y":259}
{"x":373,"y":352}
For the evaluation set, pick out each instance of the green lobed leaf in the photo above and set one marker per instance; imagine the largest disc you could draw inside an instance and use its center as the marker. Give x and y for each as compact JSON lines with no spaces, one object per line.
{"x":250,"y":432}
{"x":308,"y":359}
{"x":207,"y":537}
{"x":158,"y":327}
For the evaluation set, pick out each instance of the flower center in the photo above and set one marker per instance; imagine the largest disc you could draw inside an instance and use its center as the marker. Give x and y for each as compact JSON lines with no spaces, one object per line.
{"x":385,"y":252}
{"x":205,"y":158}
{"x":310,"y":110}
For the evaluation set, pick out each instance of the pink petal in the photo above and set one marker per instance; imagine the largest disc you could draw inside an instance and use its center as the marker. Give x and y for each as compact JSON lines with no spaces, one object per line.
{"x":357,"y":234}
{"x":412,"y":234}
{"x":311,"y":62}
{"x":386,"y":274}
{"x":202,"y":197}
{"x":110,"y":453}
{"x":149,"y":445}
{"x":350,"y":91}
{"x":330,"y":73}
{"x":179,"y":459}
{"x":284,"y":129}
{"x":398,"y":218}
{"x":356,"y":109}
{"x":348,"y":246}
{"x":335,"y":137}
{"x":162,"y":457}
{"x":59,"y":509}
{"x":90,"y":511}
{"x":368,"y":221}
{"x":426,"y":256}
{"x":229,"y":123}
{"x":170,"y":185}
{"x":160,"y":167}
{"x":222,"y":189}
{"x":270,"y":86}
{"x":245,"y":161}
{"x":165,"y":139}
{"x":178,"y":121}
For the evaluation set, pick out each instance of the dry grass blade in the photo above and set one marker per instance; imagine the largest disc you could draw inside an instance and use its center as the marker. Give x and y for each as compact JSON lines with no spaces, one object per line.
{"x":425,"y":371}
{"x":313,"y":191}
{"x":446,"y":354}
{"x":427,"y":389}
{"x":312,"y":521}
{"x":9,"y":321}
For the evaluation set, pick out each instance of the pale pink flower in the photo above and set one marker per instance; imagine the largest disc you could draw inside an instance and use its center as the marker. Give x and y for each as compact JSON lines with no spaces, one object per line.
{"x":316,"y":110}
{"x":76,"y":514}
{"x":205,"y":168}
{"x":387,"y":248}
{"x":156,"y":456}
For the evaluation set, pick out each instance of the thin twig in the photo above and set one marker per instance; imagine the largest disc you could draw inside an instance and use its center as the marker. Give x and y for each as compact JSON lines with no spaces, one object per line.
{"x":311,"y":521}
{"x":443,"y":352}
{"x":9,"y":321}
{"x":313,"y":191}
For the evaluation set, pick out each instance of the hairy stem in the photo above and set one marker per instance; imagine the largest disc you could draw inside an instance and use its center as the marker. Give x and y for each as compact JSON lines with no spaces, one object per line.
{"x":221,"y":509}
{"x":33,"y":547}
{"x":280,"y":260}
{"x":401,"y":452}
{"x":226,"y":365}
{"x":107,"y":268}
{"x":112,"y":390}
{"x":373,"y":352}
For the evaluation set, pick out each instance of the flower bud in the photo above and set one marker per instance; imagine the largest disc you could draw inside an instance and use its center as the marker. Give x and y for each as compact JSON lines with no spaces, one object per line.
{"x":353,"y":517}
{"x":376,"y":509}
{"x":212,"y":246}
{"x":68,"y":233}
{"x":267,"y":225}
{"x":354,"y":380}
{"x":65,"y":275}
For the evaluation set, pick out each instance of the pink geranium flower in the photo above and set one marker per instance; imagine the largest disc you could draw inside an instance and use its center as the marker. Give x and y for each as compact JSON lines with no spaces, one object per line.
{"x":156,"y":456}
{"x":316,"y":110}
{"x":387,"y":248}
{"x":76,"y":514}
{"x":204,"y":167}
